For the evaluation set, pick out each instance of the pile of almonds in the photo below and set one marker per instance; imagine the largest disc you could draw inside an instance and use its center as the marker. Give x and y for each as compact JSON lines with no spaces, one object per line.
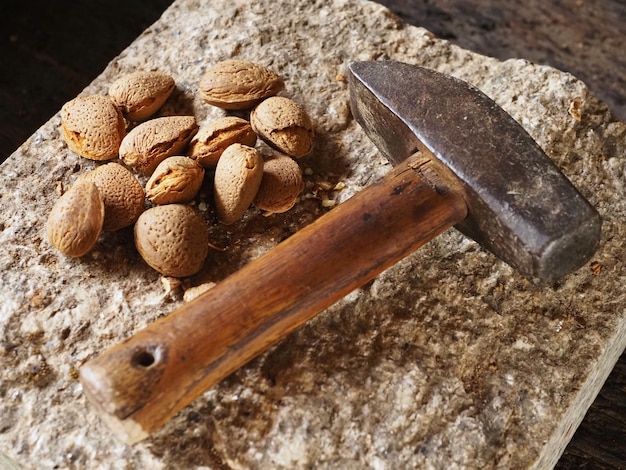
{"x":175,"y":155}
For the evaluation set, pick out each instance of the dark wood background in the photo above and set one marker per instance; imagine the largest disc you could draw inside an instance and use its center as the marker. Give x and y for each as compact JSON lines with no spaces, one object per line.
{"x":50,"y":50}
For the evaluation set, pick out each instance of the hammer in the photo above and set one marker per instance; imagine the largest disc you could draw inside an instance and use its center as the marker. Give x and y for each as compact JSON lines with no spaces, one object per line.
{"x":460,"y":160}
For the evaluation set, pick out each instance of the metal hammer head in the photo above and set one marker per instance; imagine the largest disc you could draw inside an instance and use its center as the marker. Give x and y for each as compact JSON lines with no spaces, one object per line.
{"x":520,"y":206}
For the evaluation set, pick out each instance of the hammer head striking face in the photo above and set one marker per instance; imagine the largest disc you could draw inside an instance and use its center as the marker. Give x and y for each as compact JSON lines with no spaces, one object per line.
{"x":520,"y":206}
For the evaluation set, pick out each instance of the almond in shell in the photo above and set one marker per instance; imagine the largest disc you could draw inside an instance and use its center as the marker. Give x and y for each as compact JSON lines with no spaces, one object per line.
{"x":122,"y":194}
{"x":237,"y":179}
{"x":281,"y":185}
{"x":75,"y":222}
{"x":212,"y":139}
{"x":238,"y":84}
{"x":175,"y":180}
{"x":173,"y":239}
{"x":93,"y":127}
{"x":153,"y":141}
{"x":140,"y":94}
{"x":284,"y":125}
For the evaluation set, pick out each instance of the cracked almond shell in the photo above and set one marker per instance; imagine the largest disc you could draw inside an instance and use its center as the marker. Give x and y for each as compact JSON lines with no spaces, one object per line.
{"x":140,"y":94}
{"x":175,"y":180}
{"x":153,"y":141}
{"x":238,"y":84}
{"x":93,"y":127}
{"x":212,"y":139}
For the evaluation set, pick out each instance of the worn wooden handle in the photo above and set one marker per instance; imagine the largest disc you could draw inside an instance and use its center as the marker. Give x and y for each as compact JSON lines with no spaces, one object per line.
{"x":139,"y":384}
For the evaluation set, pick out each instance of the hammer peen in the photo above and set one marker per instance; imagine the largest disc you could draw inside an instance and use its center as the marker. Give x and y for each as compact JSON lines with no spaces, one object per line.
{"x":460,"y":160}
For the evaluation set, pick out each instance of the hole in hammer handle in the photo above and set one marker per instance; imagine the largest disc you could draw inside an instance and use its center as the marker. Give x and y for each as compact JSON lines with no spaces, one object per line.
{"x":146,"y":357}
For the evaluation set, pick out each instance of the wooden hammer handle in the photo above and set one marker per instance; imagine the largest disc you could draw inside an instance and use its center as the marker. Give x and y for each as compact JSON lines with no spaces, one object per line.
{"x":142,"y":382}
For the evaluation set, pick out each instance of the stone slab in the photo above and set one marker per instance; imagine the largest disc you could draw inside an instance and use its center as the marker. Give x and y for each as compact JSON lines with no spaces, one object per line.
{"x":447,"y":360}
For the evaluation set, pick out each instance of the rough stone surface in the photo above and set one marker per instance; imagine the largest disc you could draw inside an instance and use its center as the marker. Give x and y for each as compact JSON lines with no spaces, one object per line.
{"x":447,"y":360}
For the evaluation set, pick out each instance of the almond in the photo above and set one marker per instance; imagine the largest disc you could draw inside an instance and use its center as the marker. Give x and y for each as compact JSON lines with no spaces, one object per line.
{"x":75,"y":222}
{"x":281,"y":185}
{"x":284,"y":125}
{"x":212,"y":139}
{"x":175,"y":179}
{"x":93,"y":127}
{"x":122,"y":194}
{"x":237,"y":179}
{"x":172,"y":239}
{"x":153,"y":141}
{"x":237,"y":84}
{"x":140,"y":94}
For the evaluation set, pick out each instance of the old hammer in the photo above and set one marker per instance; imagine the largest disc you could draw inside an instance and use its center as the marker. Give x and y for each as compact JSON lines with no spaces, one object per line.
{"x":460,"y":160}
